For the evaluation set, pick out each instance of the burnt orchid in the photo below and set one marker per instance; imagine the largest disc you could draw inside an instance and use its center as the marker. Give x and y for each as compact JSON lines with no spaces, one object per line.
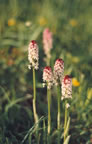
{"x":47,"y":44}
{"x":33,"y":55}
{"x":48,"y":81}
{"x":66,"y":94}
{"x":58,"y":71}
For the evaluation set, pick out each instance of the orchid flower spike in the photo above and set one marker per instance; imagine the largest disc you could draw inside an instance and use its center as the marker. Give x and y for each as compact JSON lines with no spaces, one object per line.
{"x":33,"y":55}
{"x":66,"y":87}
{"x":47,"y":42}
{"x":48,"y":77}
{"x":58,"y":71}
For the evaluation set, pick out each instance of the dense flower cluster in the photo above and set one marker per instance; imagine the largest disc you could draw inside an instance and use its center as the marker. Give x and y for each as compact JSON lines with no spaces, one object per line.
{"x":47,"y":77}
{"x":33,"y":55}
{"x":66,"y":87}
{"x":58,"y":71}
{"x":47,"y":42}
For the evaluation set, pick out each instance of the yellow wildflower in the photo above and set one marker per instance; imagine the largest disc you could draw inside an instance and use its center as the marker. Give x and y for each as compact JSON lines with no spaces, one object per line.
{"x":11,"y":22}
{"x":73,"y":22}
{"x":75,"y":82}
{"x":42,"y":21}
{"x":75,"y":59}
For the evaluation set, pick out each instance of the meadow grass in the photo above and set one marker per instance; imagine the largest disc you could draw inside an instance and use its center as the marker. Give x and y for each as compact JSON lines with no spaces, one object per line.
{"x":70,"y":24}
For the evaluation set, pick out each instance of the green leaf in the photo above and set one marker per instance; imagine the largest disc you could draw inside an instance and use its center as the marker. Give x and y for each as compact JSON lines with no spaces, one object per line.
{"x":67,"y":140}
{"x":12,"y":103}
{"x":32,"y":130}
{"x":67,"y":127}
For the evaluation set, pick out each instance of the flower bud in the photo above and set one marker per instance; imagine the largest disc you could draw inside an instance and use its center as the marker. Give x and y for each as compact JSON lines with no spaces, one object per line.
{"x":33,"y":55}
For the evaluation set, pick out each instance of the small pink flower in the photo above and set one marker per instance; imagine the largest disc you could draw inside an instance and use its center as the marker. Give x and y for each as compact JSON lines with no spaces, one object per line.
{"x":33,"y":55}
{"x":58,"y":71}
{"x":48,"y":76}
{"x":47,"y":42}
{"x":66,"y":87}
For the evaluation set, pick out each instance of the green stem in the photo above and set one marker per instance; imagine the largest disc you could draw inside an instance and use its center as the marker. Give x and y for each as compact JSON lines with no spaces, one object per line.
{"x":44,"y":132}
{"x":58,"y":115}
{"x":30,"y":136}
{"x":49,"y":113}
{"x":34,"y":85}
{"x":34,"y":99}
{"x":65,"y":122}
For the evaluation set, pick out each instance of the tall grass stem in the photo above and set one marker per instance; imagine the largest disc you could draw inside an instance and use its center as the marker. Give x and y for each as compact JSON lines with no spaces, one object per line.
{"x":34,"y":102}
{"x":49,"y":111}
{"x":49,"y":114}
{"x":65,"y":121}
{"x":59,"y":111}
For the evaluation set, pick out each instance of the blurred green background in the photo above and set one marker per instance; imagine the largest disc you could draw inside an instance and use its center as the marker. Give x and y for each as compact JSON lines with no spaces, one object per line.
{"x":70,"y":21}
